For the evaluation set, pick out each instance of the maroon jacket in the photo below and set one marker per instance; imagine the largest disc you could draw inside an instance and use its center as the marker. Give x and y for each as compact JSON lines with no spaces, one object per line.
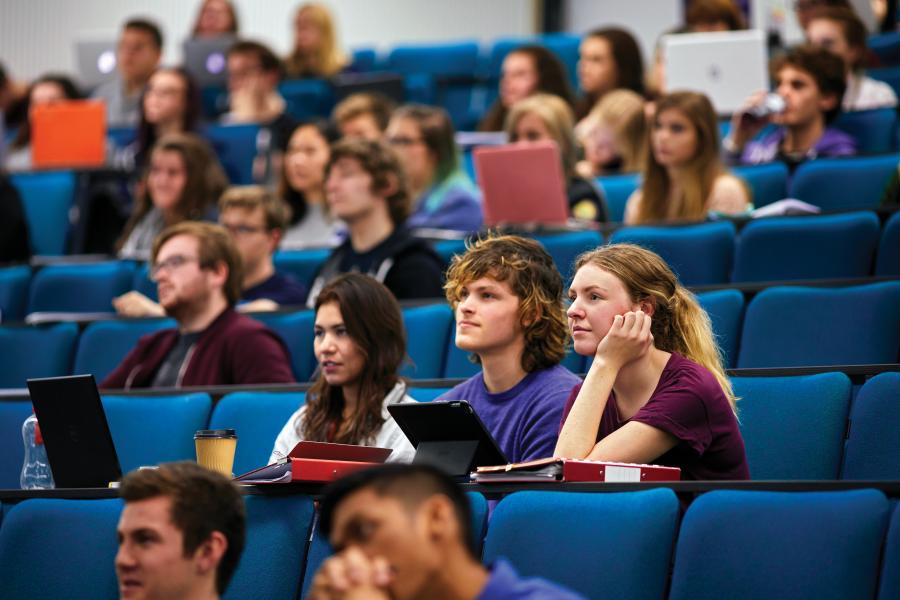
{"x":234,"y":349}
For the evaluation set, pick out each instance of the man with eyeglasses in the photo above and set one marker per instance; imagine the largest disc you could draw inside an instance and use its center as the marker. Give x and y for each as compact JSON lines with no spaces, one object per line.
{"x":197,"y":269}
{"x":256,"y":220}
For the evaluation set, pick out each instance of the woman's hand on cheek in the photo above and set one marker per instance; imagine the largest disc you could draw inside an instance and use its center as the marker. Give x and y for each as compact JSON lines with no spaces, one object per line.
{"x":628,"y":339}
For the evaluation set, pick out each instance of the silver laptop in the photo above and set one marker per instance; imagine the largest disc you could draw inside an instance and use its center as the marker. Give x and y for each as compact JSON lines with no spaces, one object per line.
{"x":205,"y":60}
{"x":726,"y":66}
{"x":95,"y":61}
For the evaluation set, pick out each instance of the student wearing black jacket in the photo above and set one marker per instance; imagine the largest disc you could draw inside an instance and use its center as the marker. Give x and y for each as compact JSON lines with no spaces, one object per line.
{"x":365,"y":188}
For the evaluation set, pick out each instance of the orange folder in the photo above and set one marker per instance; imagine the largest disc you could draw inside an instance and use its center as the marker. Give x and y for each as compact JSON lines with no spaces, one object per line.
{"x":68,"y":134}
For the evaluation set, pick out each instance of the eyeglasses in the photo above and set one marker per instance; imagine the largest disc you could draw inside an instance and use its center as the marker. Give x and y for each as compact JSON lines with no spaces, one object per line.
{"x":402,"y":140}
{"x":173,"y":262}
{"x":243,"y":229}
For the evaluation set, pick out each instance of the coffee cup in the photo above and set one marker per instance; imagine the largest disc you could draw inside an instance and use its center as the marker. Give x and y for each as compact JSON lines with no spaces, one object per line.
{"x":215,"y":449}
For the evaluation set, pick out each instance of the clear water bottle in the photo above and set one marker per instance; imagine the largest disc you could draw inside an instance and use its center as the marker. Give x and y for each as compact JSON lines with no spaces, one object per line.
{"x":36,"y":474}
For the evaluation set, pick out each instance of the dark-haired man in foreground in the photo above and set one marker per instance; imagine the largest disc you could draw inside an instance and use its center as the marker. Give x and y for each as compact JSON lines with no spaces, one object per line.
{"x":181,"y":533}
{"x":402,"y":532}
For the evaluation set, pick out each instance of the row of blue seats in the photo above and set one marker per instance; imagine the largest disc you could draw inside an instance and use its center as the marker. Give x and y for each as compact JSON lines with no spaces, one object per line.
{"x":729,"y":544}
{"x":851,"y":245}
{"x":808,"y":427}
{"x":780,"y":327}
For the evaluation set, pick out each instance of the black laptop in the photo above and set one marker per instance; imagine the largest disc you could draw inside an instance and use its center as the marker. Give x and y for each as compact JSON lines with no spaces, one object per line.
{"x":385,"y":84}
{"x":76,"y":435}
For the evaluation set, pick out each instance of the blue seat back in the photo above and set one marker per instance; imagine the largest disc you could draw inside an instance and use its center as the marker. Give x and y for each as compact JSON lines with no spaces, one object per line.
{"x":890,"y":566}
{"x":307,"y":98}
{"x":889,"y":75}
{"x":793,"y":427}
{"x":148,"y":430}
{"x":60,"y":549}
{"x":875,"y":130}
{"x":12,"y":446}
{"x":726,"y":311}
{"x":426,"y":394}
{"x":617,"y":189}
{"x":843,"y":183}
{"x":302,"y":264}
{"x":698,"y":254}
{"x":142,"y":282}
{"x":47,"y":198}
{"x":103,"y":344}
{"x":564,"y":248}
{"x":427,"y":333}
{"x":873,"y":446}
{"x":821,"y":247}
{"x":278,"y":528}
{"x":43,"y":351}
{"x":296,"y":329}
{"x":447,"y":249}
{"x":886,"y":47}
{"x":14,"y":292}
{"x":257,"y":418}
{"x":794,"y":326}
{"x":768,"y":182}
{"x":364,"y":59}
{"x":615,"y":545}
{"x":80,"y":288}
{"x":235,"y":145}
{"x":780,"y":545}
{"x":888,"y":262}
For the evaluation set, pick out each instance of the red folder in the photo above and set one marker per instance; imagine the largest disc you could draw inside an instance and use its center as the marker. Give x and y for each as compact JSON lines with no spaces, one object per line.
{"x":317,"y":462}
{"x":568,"y":470}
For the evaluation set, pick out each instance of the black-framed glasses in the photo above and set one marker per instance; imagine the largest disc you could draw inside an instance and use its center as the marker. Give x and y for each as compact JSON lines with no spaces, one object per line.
{"x":402,"y":140}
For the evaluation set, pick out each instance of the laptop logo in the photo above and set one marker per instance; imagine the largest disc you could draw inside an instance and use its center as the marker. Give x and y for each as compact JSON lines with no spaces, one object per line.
{"x":106,"y":62}
{"x":215,"y":63}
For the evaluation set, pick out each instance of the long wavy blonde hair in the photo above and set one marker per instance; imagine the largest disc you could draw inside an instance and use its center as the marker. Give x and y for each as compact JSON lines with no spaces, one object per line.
{"x":701,"y":170}
{"x":328,"y":59}
{"x":679,"y":323}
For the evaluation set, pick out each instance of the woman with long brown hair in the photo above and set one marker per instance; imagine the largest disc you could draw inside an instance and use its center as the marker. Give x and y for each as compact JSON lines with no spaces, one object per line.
{"x":656,"y":391}
{"x":183,"y":182}
{"x":360,"y":344}
{"x":684,"y":177}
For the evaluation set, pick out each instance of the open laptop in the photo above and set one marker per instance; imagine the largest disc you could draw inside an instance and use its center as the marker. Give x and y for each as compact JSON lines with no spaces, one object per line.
{"x":522,"y":184}
{"x":727,"y":66}
{"x":205,"y":60}
{"x":95,"y":62}
{"x":71,"y":133}
{"x":76,"y":435}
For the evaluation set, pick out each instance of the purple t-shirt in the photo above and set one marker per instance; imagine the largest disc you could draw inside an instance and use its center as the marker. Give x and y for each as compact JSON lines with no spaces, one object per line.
{"x":505,"y":584}
{"x":524,"y":418}
{"x":689,"y":404}
{"x":833,"y":142}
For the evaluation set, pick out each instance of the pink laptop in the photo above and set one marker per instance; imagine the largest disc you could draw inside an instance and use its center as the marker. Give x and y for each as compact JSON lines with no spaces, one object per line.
{"x":523,"y":184}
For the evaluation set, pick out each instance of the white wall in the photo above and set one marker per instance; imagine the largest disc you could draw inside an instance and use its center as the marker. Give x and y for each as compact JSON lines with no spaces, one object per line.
{"x":645,"y":19}
{"x":36,"y":36}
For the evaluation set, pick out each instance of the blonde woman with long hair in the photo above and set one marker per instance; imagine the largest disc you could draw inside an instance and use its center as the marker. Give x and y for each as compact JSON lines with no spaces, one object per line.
{"x":316,"y":52}
{"x":613,"y":135}
{"x":656,"y":391}
{"x":684,"y":178}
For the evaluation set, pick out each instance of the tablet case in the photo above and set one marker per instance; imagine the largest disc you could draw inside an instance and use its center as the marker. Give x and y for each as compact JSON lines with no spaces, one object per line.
{"x":317,"y":462}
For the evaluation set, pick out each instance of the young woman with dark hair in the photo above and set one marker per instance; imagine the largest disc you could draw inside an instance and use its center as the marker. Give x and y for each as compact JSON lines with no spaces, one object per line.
{"x":527,"y":70}
{"x":359,"y":357}
{"x":302,"y":186}
{"x":47,"y":89}
{"x":608,"y":59}
{"x":183,"y":182}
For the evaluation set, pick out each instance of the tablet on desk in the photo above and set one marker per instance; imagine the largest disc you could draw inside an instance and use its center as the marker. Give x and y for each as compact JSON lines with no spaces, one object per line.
{"x":76,"y":435}
{"x":449,"y":435}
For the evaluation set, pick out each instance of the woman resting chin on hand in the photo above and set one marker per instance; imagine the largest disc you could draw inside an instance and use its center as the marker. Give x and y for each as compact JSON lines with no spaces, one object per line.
{"x":656,"y":391}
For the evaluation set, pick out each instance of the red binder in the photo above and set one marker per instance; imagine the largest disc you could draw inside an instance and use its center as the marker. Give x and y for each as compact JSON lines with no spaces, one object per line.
{"x":568,"y":470}
{"x":317,"y":462}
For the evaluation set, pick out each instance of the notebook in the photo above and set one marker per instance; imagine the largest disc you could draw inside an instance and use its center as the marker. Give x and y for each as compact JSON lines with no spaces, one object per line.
{"x":727,"y":66}
{"x":523,"y":184}
{"x":68,"y":134}
{"x":95,"y":62}
{"x":76,"y":435}
{"x":206,"y":60}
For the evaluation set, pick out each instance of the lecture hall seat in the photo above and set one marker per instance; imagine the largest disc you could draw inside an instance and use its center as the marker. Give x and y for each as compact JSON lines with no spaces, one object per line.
{"x":77,"y":288}
{"x":39,"y":351}
{"x":873,"y":445}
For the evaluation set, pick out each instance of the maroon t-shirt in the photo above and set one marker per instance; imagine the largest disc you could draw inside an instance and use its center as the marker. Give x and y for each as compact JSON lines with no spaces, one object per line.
{"x":689,"y":404}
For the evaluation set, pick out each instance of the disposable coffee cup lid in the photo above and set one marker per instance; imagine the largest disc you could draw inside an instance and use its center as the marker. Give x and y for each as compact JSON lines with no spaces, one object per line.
{"x":215,"y":433}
